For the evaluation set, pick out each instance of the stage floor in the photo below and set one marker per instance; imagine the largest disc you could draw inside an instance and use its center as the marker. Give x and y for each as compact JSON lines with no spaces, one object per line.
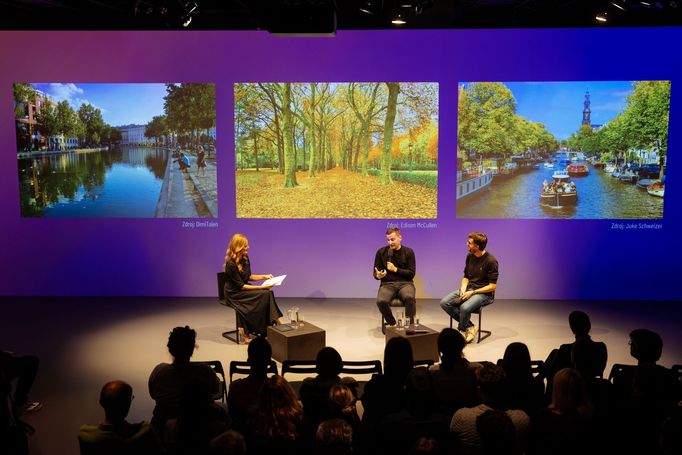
{"x":85,"y":342}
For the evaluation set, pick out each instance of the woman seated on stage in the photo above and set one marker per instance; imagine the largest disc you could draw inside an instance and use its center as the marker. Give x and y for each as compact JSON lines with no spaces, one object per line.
{"x":255,"y":305}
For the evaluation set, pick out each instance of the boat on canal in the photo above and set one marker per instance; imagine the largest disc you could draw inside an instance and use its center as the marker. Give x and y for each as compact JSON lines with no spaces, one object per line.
{"x":577,"y":169}
{"x":628,"y":176}
{"x":470,"y":183}
{"x":656,"y":189}
{"x":560,"y":192}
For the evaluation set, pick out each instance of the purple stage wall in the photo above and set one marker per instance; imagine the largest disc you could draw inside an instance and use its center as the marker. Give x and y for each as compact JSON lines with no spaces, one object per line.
{"x":539,"y":259}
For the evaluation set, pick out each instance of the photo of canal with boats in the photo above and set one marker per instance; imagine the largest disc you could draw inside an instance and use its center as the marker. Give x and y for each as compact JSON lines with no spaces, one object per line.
{"x":524,"y":152}
{"x":73,"y":164}
{"x":599,"y":195}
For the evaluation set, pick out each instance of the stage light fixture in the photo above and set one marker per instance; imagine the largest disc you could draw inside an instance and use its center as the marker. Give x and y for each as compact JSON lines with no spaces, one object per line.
{"x":188,"y":11}
{"x":619,"y":5}
{"x":601,"y":17}
{"x":399,"y":19}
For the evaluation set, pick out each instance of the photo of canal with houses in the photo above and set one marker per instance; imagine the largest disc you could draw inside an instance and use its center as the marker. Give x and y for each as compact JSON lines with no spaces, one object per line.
{"x":122,"y":150}
{"x":576,"y":150}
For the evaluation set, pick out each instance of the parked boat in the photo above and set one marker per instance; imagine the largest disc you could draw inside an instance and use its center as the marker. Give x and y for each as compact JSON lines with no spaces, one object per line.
{"x":468,"y":184}
{"x":657,"y":190}
{"x":628,"y":176}
{"x":548,"y":165}
{"x":560,"y":192}
{"x":577,"y":169}
{"x":645,"y":183}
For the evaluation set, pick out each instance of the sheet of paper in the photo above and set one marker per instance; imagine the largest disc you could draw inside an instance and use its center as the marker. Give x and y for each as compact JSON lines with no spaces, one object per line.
{"x":274,"y":281}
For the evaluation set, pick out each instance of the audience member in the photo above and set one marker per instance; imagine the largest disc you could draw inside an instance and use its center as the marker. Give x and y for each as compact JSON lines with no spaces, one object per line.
{"x":168,"y":380}
{"x":314,"y":392}
{"x":523,"y":391}
{"x":491,"y":385}
{"x":243,"y":393}
{"x":565,"y":427}
{"x":399,"y":431}
{"x":580,"y":325}
{"x":647,"y":394}
{"x":343,"y":405}
{"x":384,"y":393}
{"x":334,"y":437}
{"x":497,"y":433}
{"x":24,"y":369}
{"x":199,"y":420}
{"x":454,"y":379}
{"x":115,"y":435}
{"x":276,"y":425}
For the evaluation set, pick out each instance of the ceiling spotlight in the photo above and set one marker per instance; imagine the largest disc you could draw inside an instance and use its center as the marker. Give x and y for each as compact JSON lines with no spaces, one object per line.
{"x":619,"y":6}
{"x":645,"y":4}
{"x":601,"y":17}
{"x":366,"y":8}
{"x":189,"y":9}
{"x":399,"y":20}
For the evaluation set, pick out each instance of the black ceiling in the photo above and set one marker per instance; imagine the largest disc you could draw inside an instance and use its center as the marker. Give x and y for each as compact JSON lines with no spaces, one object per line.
{"x":292,"y":16}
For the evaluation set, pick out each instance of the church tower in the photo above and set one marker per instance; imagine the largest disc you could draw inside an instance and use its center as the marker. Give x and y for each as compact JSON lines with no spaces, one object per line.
{"x":586,"y":110}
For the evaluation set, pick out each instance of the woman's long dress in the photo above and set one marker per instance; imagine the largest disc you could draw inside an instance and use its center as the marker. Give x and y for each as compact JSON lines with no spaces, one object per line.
{"x":256,"y":309}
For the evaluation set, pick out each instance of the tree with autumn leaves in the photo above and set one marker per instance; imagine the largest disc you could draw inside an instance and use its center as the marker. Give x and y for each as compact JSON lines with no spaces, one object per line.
{"x":315,"y":127}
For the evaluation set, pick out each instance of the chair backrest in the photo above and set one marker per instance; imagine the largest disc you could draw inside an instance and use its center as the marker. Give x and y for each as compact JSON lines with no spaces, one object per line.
{"x":355,"y":367}
{"x":537,"y":368}
{"x":299,"y":367}
{"x":423,"y":363}
{"x":243,"y":367}
{"x":619,"y":370}
{"x":221,"y":287}
{"x":217,"y":368}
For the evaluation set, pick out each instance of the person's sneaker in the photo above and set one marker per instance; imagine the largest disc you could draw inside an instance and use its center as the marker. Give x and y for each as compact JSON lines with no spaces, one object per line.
{"x":471,"y":333}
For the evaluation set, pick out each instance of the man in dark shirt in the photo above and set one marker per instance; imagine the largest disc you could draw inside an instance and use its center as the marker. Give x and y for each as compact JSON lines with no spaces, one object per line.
{"x":395,"y":266}
{"x":477,"y":287}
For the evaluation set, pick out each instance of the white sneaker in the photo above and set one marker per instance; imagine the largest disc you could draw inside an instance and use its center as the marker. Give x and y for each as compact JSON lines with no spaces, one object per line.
{"x":471,"y":333}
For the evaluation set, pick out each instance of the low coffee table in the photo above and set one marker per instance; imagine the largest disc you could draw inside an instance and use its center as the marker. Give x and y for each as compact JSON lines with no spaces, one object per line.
{"x":298,"y":344}
{"x":424,"y":344}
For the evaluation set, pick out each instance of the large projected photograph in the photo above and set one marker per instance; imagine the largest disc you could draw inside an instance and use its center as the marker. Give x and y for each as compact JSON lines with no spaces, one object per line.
{"x":580,"y":150}
{"x":336,"y":150}
{"x":120,"y":150}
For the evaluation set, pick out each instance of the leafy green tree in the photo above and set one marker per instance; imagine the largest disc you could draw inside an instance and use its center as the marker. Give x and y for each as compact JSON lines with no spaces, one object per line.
{"x":157,"y":127}
{"x":48,"y":122}
{"x":487,"y":120}
{"x":93,"y":122}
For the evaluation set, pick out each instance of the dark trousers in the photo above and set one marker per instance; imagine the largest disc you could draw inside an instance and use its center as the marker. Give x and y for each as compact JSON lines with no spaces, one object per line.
{"x":24,"y":369}
{"x":405,"y":291}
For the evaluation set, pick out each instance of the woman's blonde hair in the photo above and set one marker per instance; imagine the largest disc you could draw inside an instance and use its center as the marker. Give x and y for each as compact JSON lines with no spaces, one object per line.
{"x":236,"y":251}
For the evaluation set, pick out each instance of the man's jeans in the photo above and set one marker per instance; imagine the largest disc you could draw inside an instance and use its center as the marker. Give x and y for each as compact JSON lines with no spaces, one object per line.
{"x":462,"y":312}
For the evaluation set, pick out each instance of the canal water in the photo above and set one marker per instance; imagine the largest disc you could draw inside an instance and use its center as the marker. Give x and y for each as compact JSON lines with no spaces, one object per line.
{"x":600,"y":196}
{"x":117,"y":183}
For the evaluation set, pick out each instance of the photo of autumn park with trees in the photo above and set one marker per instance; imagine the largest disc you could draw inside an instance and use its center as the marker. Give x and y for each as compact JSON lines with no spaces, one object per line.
{"x":336,"y":150}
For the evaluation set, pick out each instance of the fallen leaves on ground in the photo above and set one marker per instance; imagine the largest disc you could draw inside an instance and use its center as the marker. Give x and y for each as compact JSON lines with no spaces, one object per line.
{"x":337,"y":193}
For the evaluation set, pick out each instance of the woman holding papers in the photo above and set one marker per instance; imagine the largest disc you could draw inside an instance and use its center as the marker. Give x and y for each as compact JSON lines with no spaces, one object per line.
{"x":255,"y":304}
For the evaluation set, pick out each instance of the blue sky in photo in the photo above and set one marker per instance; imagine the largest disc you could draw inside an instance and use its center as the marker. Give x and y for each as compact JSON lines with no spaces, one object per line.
{"x":121,"y":104}
{"x":559,"y":105}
